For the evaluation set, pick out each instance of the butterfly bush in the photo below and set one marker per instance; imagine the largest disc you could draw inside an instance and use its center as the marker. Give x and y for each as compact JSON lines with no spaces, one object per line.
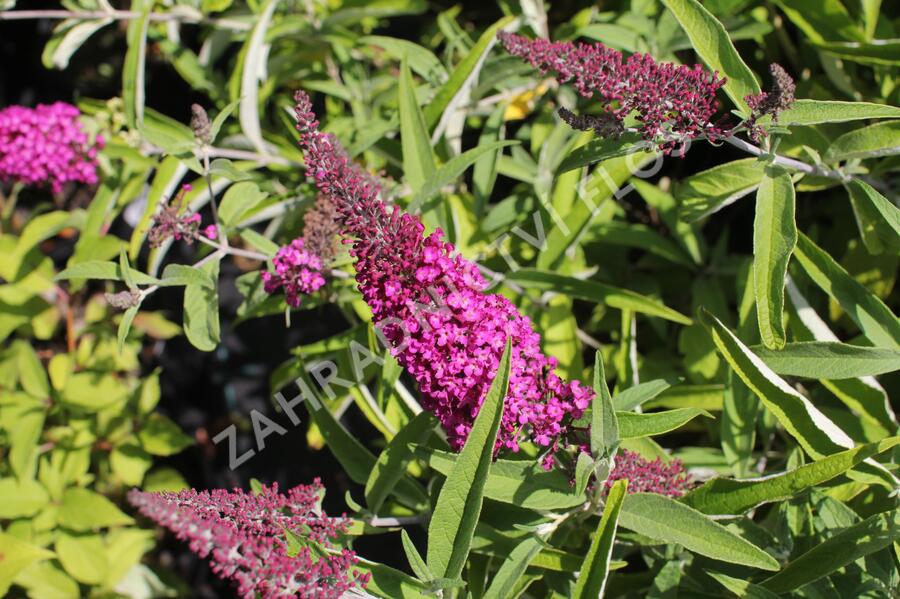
{"x":645,"y":476}
{"x":773,"y":102}
{"x":672,"y":103}
{"x":46,"y":145}
{"x":171,"y":222}
{"x":243,"y":536}
{"x":429,"y":305}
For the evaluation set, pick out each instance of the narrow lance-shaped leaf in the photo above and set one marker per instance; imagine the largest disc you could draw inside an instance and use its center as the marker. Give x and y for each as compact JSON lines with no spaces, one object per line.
{"x":711,"y":41}
{"x":418,"y":160}
{"x":416,"y":563}
{"x":133,"y":68}
{"x":505,"y":580}
{"x":830,"y":360}
{"x":774,"y":238}
{"x":873,"y":317}
{"x":667,"y":520}
{"x":870,"y":535}
{"x":878,"y":218}
{"x":592,"y":577}
{"x":815,"y":432}
{"x":459,"y":504}
{"x":604,"y":426}
{"x":256,"y":56}
{"x":392,"y":462}
{"x":728,"y":496}
{"x":634,"y":426}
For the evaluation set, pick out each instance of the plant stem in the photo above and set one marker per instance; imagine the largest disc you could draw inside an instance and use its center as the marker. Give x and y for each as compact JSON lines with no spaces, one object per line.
{"x":796,"y":165}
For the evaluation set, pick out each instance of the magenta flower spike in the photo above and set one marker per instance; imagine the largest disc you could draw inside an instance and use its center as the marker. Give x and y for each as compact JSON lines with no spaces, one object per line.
{"x":428,"y":303}
{"x":243,"y":536}
{"x":672,"y":103}
{"x":645,"y":476}
{"x":46,"y":145}
{"x":298,"y":271}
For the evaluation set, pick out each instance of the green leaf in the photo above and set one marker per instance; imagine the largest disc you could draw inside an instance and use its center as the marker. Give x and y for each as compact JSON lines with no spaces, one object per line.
{"x":183,"y":275}
{"x":217,"y":122}
{"x":238,"y":201}
{"x":44,"y":227}
{"x":392,"y":462}
{"x":877,"y":52}
{"x":201,"y":310}
{"x":98,"y":269}
{"x":742,"y":588}
{"x":774,"y":238}
{"x":459,"y":503}
{"x":822,"y":20}
{"x":418,"y":160}
{"x":601,"y":149}
{"x":67,"y":38}
{"x":728,"y":496}
{"x":254,"y":71}
{"x":517,"y":482}
{"x":878,"y":218}
{"x":875,"y":320}
{"x":513,"y":567}
{"x":711,"y":41}
{"x":93,"y":391}
{"x":133,"y":68}
{"x":161,"y":436}
{"x":815,"y":432}
{"x":815,"y":112}
{"x":830,"y":360}
{"x":451,"y":171}
{"x":634,"y":396}
{"x":388,"y":582}
{"x":21,"y":499}
{"x":666,"y":520}
{"x":416,"y":563}
{"x":17,"y":555}
{"x":84,"y":510}
{"x":880,"y":139}
{"x":460,"y":75}
{"x":166,"y":133}
{"x":604,"y":425}
{"x":635,"y":426}
{"x":83,"y":556}
{"x":713,"y":189}
{"x":615,"y":297}
{"x":32,"y":375}
{"x":125,"y":326}
{"x":845,"y":547}
{"x":421,"y":60}
{"x":592,"y":576}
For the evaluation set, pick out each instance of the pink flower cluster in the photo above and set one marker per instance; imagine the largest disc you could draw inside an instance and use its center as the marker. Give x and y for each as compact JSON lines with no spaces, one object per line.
{"x":672,"y":103}
{"x":46,"y":145}
{"x":429,"y":304}
{"x":243,"y":535}
{"x":644,"y":476}
{"x":298,"y":271}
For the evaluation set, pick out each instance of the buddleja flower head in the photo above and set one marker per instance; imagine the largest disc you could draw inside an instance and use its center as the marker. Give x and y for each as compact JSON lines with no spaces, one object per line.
{"x":300,"y":265}
{"x":773,"y":102}
{"x":46,"y":145}
{"x":243,"y":536}
{"x":429,"y":304}
{"x":672,"y":103}
{"x":645,"y":476}
{"x":170,"y":222}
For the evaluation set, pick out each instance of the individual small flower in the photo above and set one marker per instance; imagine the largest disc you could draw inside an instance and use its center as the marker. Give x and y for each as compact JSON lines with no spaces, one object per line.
{"x":644,"y":476}
{"x":774,"y":102}
{"x":297,"y":271}
{"x":672,"y":103}
{"x":243,"y":536}
{"x":46,"y":145}
{"x":429,"y":304}
{"x":169,"y":223}
{"x":211,"y":232}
